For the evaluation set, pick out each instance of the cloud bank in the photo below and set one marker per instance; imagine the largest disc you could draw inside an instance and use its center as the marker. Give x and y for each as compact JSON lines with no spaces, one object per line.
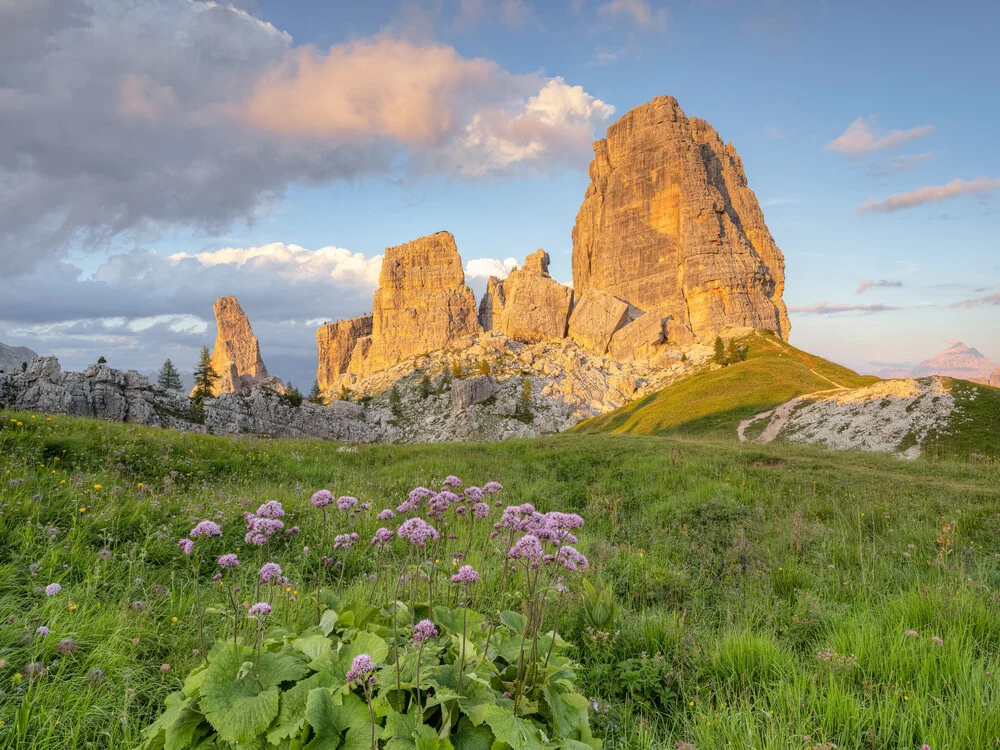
{"x":822,"y":308}
{"x":864,"y":286}
{"x":929,"y":194}
{"x":124,"y":119}
{"x":859,"y":139}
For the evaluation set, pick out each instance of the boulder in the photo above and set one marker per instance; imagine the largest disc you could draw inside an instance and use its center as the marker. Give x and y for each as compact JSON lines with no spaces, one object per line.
{"x":335,"y":343}
{"x":422,"y":303}
{"x":537,"y":307}
{"x":492,"y":304}
{"x":679,"y":334}
{"x":669,"y":224}
{"x":469,"y":391}
{"x":596,"y":316}
{"x":639,"y":339}
{"x":236,"y":354}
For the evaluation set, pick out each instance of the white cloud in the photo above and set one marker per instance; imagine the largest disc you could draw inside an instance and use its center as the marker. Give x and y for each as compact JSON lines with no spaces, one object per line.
{"x":867,"y":284}
{"x":198,"y":115}
{"x":859,"y":139}
{"x":638,"y":11}
{"x":929,"y":194}
{"x":483,"y":268}
{"x":556,"y":124}
{"x":295,"y":263}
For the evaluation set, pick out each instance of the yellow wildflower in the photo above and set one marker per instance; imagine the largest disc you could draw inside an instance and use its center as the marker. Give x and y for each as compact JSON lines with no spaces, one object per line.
{"x":97,"y":486}
{"x":83,"y":508}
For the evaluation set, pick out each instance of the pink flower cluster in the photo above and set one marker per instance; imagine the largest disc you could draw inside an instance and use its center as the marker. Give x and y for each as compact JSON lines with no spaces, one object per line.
{"x":265,"y":523}
{"x":361,"y":668}
{"x":423,"y":631}
{"x":205,"y":528}
{"x":466,"y":575}
{"x":344,"y":541}
{"x":228,"y":561}
{"x":270,"y":571}
{"x":186,"y":545}
{"x":322,"y":498}
{"x":382,"y":536}
{"x":260,"y":609}
{"x":346,"y":502}
{"x":417,"y":531}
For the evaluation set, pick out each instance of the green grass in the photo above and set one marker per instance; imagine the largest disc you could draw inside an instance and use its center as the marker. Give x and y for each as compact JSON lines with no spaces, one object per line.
{"x":732,"y":566}
{"x":715,"y":401}
{"x":975,"y":426}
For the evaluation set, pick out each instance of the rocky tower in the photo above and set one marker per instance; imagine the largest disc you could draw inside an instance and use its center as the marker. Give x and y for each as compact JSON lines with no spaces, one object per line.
{"x":995,"y":378}
{"x":669,"y":225}
{"x":236,"y":355}
{"x":336,"y":343}
{"x":422,"y":303}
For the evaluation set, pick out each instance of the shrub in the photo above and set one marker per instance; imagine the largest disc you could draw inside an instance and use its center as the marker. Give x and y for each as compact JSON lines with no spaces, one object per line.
{"x":425,"y":386}
{"x":291,"y":396}
{"x":427,"y":672}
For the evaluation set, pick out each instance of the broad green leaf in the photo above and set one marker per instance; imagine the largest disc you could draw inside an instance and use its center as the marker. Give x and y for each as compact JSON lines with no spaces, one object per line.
{"x":516,"y":732}
{"x":292,"y":716}
{"x":328,"y":621}
{"x":514,"y":620}
{"x":329,"y":721}
{"x":425,"y":738}
{"x":239,"y":710}
{"x":312,"y":645}
{"x":398,"y":730}
{"x":364,"y":643}
{"x":469,"y":737}
{"x":569,"y":712}
{"x":275,"y":668}
{"x":179,"y":733}
{"x":193,"y":682}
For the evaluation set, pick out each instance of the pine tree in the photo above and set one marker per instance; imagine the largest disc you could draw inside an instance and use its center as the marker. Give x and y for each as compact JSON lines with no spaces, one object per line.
{"x":684,"y":357}
{"x":483,"y":367}
{"x":344,"y":395}
{"x":204,"y":377}
{"x":720,"y":351}
{"x":101,"y":360}
{"x":456,"y":370}
{"x":169,"y":379}
{"x":425,"y":386}
{"x":316,"y":395}
{"x":445,"y":382}
{"x":732,"y":353}
{"x":292,"y":396}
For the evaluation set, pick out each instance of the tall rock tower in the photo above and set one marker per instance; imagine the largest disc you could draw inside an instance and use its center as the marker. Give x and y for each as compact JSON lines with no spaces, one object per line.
{"x":669,"y":225}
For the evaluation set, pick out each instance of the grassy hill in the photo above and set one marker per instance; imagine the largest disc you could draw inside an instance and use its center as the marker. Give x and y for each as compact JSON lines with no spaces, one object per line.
{"x":765,"y":593}
{"x":715,"y":401}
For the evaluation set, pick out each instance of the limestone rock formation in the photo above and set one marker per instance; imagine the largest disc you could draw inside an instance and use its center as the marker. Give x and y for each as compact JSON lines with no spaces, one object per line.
{"x":596,"y":316}
{"x":475,"y":390}
{"x":995,"y":378}
{"x":236,"y":354}
{"x":12,"y":357}
{"x":422,"y":303}
{"x":638,"y":339}
{"x":536,"y":307}
{"x":679,"y":334}
{"x":102,"y":392}
{"x":335,"y":343}
{"x":538,"y":262}
{"x":492,"y":304}
{"x":669,"y":225}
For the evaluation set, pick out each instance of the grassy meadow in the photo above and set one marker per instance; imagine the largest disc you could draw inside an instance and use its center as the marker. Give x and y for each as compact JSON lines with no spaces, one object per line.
{"x":765,"y":597}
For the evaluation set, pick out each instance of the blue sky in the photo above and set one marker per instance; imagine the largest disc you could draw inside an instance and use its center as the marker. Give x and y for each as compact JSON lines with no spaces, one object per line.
{"x":781,"y":79}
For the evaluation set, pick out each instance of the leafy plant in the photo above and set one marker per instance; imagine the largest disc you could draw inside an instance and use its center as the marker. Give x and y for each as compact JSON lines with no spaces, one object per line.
{"x":599,"y":607}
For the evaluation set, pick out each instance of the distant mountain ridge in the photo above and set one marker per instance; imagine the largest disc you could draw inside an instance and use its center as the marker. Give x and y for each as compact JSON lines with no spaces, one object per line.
{"x":13,"y":356}
{"x":958,"y":361}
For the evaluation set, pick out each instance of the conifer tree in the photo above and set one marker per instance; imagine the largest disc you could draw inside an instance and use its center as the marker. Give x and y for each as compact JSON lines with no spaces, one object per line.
{"x":169,"y":379}
{"x":720,"y":351}
{"x":316,"y":395}
{"x":204,"y":376}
